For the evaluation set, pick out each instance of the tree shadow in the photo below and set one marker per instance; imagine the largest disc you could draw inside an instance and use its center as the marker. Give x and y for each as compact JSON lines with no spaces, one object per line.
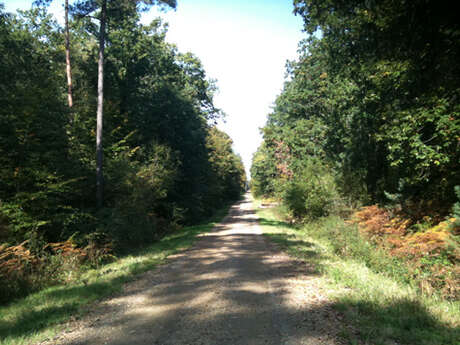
{"x":401,"y":321}
{"x":34,"y":320}
{"x":303,"y":249}
{"x":236,"y":288}
{"x":274,"y":223}
{"x":228,"y":289}
{"x":31,"y":320}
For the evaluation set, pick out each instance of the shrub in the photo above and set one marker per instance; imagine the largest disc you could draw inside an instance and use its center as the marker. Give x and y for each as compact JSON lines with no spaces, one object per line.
{"x":312,"y":193}
{"x":32,"y":265}
{"x":138,"y":210}
{"x":431,"y":252}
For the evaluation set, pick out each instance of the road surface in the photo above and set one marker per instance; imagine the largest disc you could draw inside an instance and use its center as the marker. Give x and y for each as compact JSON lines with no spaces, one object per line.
{"x":233,"y":287}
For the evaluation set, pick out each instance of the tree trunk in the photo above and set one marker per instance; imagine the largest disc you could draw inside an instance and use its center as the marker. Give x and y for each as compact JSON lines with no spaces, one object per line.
{"x":100,"y":110}
{"x":67,"y":55}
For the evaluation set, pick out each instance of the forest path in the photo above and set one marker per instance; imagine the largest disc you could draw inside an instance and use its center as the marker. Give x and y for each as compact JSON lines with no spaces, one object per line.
{"x":233,"y":287}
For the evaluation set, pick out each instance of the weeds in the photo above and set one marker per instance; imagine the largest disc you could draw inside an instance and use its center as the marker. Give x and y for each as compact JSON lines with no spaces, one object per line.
{"x":431,"y":253}
{"x":24,"y":268}
{"x":375,"y":291}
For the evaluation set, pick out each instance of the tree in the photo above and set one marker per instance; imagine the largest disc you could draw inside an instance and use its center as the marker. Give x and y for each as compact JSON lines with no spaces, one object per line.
{"x":34,"y":163}
{"x":375,"y":99}
{"x":85,"y":8}
{"x":229,"y":175}
{"x":67,"y":54}
{"x":164,"y":164}
{"x":67,"y":46}
{"x":100,"y":107}
{"x":159,"y":162}
{"x":401,"y":56}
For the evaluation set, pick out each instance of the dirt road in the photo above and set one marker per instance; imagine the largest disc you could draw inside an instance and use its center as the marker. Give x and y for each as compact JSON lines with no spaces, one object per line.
{"x":232,"y":288}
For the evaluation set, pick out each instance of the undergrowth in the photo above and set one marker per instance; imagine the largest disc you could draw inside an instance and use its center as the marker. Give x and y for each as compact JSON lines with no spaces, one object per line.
{"x":375,"y":291}
{"x":40,"y":315}
{"x":430,"y":251}
{"x":31,"y":266}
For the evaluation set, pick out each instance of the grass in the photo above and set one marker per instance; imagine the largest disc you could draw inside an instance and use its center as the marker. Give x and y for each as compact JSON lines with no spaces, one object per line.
{"x":41,"y":315}
{"x":366,"y":285}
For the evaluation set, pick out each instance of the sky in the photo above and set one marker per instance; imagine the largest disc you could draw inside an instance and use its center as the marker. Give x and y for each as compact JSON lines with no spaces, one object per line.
{"x":243,"y":44}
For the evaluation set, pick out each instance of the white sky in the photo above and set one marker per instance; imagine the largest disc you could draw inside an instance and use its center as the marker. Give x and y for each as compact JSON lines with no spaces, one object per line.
{"x":244,"y":44}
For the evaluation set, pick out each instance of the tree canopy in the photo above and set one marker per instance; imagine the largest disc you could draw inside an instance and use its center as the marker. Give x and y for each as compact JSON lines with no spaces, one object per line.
{"x":373,"y":98}
{"x":164,"y":158}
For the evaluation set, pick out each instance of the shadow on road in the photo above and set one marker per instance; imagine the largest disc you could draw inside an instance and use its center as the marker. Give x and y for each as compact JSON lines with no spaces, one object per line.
{"x":231,"y":288}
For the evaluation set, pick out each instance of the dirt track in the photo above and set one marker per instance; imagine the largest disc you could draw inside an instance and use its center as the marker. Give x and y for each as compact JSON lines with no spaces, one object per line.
{"x":232,"y":288}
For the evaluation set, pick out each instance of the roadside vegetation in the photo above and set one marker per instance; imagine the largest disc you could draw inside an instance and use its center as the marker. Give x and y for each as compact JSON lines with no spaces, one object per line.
{"x":362,"y":154}
{"x":41,"y":315}
{"x":165,"y":164}
{"x":367,"y":128}
{"x":374,"y":291}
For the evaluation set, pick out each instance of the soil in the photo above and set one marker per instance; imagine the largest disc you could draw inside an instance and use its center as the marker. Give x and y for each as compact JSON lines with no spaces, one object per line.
{"x":233,"y":287}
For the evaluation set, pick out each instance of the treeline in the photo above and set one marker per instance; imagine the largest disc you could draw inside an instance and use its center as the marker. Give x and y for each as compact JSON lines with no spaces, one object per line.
{"x":165,"y":163}
{"x":370,"y":112}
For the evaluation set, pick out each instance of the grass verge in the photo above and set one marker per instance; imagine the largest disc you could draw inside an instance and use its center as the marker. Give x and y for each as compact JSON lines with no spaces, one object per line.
{"x":366,"y":285}
{"x":41,"y":315}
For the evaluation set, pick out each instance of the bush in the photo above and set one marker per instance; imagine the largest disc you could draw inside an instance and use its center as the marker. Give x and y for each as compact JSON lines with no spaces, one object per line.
{"x":137,"y":206}
{"x":312,"y":193}
{"x":431,"y":252}
{"x":32,"y":264}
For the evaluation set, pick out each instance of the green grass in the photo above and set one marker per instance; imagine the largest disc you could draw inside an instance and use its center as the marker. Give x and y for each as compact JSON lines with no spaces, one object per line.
{"x":366,"y":285}
{"x":41,"y":315}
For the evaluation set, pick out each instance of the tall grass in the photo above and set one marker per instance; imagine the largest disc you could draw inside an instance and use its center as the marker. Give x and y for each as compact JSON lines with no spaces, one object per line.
{"x":371,"y":289}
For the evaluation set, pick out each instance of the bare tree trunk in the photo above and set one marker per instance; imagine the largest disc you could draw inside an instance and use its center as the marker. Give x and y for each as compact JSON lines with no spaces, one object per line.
{"x":67,"y":55}
{"x":100,"y":110}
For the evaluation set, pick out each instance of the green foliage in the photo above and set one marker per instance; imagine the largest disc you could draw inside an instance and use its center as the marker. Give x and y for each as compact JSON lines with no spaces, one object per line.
{"x":228,"y":178}
{"x":312,"y":193}
{"x":165,"y":164}
{"x":374,"y":96}
{"x":263,"y":172}
{"x":456,"y":209}
{"x":41,"y":315}
{"x":372,"y":290}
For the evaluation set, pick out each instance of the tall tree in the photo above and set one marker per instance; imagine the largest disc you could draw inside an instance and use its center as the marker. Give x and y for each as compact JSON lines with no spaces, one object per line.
{"x":100,"y":107}
{"x":376,"y":98}
{"x":67,"y":46}
{"x":84,"y":8}
{"x":67,"y":54}
{"x":159,"y":152}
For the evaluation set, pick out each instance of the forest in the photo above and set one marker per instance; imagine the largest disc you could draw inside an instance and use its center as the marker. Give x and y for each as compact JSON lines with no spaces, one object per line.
{"x":123,"y":218}
{"x":163,"y":163}
{"x":367,"y":127}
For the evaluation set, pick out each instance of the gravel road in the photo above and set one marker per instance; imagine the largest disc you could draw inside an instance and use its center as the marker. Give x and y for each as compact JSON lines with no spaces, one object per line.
{"x":233,"y":287}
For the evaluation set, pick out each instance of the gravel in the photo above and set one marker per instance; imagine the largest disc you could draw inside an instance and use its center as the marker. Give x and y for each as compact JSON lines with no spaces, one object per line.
{"x":232,"y":287}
